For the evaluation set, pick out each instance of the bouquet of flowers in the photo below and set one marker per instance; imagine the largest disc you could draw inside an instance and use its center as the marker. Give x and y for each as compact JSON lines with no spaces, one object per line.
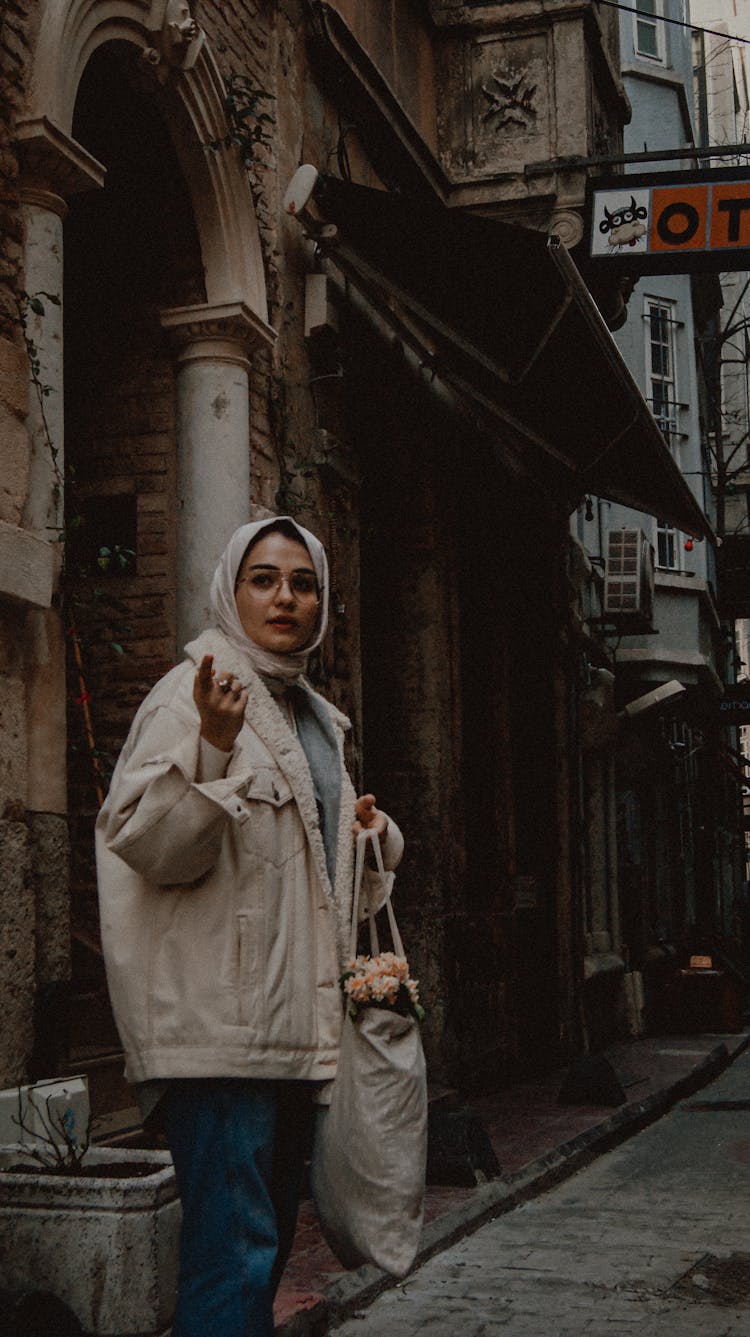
{"x":381,"y":981}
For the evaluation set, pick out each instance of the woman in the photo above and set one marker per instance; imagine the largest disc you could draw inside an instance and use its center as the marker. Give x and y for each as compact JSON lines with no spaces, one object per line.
{"x":225,"y":855}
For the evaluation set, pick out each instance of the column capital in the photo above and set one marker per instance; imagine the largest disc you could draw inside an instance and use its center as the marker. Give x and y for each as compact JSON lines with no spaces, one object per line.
{"x":216,"y":332}
{"x":53,"y":165}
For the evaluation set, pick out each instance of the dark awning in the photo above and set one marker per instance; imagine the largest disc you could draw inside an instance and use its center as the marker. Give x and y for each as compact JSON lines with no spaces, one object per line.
{"x":511,"y":324}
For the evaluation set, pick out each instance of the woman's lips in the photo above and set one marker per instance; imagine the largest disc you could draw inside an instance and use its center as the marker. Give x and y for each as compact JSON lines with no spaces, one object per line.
{"x":283,"y":623}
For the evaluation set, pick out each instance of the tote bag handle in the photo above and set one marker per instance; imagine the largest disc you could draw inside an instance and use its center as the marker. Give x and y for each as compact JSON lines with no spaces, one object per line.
{"x":359,"y":871}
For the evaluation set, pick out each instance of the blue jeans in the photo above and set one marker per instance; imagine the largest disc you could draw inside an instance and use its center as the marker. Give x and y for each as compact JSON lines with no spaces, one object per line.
{"x":239,"y":1147}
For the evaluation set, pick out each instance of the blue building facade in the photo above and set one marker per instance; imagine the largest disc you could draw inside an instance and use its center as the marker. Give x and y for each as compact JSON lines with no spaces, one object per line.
{"x":675,"y":884}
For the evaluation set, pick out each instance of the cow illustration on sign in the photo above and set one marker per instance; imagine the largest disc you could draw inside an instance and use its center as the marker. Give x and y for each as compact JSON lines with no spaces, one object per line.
{"x":625,"y":224}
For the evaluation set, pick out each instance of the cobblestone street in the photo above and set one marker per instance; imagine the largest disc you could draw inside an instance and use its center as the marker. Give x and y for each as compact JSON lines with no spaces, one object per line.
{"x":650,"y":1239}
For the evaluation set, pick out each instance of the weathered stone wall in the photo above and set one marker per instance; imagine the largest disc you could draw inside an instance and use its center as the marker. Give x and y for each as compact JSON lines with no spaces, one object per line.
{"x":17,"y":954}
{"x":13,"y":363}
{"x":398,"y":36}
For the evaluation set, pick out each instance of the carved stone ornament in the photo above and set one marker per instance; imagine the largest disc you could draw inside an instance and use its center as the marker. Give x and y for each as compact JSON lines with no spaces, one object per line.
{"x":511,"y":99}
{"x":178,"y":37}
{"x":221,"y":332}
{"x":568,"y":226}
{"x":54,"y":165}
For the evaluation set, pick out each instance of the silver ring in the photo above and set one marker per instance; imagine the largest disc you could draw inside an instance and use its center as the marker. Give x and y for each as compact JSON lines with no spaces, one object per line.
{"x":225,"y":685}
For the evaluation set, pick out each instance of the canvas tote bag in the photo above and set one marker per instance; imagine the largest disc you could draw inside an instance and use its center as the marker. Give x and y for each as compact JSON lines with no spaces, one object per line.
{"x":370,"y":1149}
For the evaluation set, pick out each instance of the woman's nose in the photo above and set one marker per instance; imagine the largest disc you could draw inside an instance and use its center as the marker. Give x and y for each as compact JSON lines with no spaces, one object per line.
{"x":285,"y":593}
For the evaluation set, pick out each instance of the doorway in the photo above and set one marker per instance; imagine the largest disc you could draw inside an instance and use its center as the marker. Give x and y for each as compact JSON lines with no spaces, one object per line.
{"x":131,"y":249}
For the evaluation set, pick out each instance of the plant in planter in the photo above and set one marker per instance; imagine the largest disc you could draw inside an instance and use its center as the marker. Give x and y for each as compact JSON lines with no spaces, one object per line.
{"x":95,"y":1227}
{"x":57,"y":1148}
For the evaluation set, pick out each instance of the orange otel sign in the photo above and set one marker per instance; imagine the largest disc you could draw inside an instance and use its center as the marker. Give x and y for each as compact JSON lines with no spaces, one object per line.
{"x":701,"y":217}
{"x":671,"y":219}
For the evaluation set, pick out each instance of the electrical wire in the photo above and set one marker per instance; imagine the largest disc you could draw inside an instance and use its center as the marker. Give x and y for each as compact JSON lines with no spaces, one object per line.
{"x":679,"y":23}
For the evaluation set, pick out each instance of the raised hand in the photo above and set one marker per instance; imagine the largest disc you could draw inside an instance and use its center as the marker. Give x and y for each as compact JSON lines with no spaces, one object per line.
{"x":221,"y":701}
{"x":369,"y":817}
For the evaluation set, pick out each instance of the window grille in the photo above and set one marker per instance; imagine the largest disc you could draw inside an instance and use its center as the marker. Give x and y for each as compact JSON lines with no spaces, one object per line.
{"x":660,"y":368}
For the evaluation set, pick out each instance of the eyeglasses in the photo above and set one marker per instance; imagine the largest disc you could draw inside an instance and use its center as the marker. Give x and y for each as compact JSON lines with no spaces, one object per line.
{"x":265,"y":581}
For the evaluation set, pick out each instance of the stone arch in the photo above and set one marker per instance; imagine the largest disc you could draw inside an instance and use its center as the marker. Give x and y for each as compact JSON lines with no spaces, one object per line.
{"x":70,"y":32}
{"x":215,"y":340}
{"x":212,"y":346}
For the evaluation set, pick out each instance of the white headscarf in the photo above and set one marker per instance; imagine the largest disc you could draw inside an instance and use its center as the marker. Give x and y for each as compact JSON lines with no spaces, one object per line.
{"x":287,"y":667}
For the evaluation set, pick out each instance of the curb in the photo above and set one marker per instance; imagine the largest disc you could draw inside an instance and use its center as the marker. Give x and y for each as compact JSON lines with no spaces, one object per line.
{"x":356,"y":1289}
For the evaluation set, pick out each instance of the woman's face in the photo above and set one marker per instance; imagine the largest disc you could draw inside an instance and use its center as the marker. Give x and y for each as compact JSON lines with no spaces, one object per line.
{"x":278,"y":614}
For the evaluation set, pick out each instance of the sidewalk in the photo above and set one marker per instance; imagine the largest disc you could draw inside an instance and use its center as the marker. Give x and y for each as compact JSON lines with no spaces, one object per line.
{"x":537,"y":1142}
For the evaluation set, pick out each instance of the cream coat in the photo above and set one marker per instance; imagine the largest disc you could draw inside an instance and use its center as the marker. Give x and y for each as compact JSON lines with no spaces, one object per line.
{"x":222,"y":935}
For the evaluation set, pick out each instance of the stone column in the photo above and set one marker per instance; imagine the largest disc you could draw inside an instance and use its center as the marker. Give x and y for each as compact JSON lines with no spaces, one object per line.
{"x":53,"y":166}
{"x":213,"y":442}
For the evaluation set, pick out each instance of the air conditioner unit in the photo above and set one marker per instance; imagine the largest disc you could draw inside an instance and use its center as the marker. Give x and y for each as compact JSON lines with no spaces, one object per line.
{"x":629,"y":579}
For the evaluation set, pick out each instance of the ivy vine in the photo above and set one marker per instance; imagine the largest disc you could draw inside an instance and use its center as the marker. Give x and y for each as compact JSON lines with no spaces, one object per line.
{"x":26,"y":303}
{"x":246,"y":121}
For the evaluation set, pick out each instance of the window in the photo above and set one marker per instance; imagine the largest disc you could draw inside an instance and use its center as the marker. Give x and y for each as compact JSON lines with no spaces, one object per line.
{"x":648,"y":30}
{"x":660,"y":367}
{"x":667,"y":546}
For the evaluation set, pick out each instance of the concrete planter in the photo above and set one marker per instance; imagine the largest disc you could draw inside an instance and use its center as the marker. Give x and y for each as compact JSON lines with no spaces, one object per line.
{"x":106,"y":1247}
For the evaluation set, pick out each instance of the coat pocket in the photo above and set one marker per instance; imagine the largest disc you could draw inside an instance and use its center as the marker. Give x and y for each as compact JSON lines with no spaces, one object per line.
{"x":249,"y":978}
{"x":268,"y":786}
{"x":270,"y":823}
